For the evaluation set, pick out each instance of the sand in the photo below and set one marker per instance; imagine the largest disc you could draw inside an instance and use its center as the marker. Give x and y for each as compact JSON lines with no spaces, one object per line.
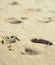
{"x":20,"y":22}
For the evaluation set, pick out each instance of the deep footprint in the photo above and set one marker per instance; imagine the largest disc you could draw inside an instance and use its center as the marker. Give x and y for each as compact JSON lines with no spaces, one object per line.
{"x":41,"y":41}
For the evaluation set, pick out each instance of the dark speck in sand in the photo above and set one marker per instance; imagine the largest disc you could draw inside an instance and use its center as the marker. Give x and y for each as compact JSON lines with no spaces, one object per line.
{"x":12,"y":37}
{"x":9,"y":46}
{"x":2,"y":41}
{"x":10,"y":49}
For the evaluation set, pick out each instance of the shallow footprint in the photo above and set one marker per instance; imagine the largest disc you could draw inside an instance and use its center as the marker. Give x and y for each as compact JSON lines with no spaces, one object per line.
{"x":33,"y":49}
{"x":30,"y":52}
{"x":14,"y":3}
{"x":45,"y":20}
{"x":24,"y":18}
{"x":14,"y":21}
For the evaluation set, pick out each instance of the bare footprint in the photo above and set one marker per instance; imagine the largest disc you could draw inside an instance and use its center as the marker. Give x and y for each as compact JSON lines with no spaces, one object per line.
{"x":14,"y":20}
{"x":33,"y":49}
{"x":41,"y":41}
{"x":45,"y":20}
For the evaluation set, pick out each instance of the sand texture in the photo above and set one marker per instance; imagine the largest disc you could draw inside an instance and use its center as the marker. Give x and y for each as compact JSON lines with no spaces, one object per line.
{"x":27,"y":32}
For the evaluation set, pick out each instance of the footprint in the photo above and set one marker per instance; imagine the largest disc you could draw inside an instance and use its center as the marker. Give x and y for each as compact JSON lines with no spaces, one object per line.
{"x":29,"y":51}
{"x":33,"y":49}
{"x":38,"y":48}
{"x":45,"y":20}
{"x":14,"y":3}
{"x":14,"y":21}
{"x":41,"y":41}
{"x":24,"y":18}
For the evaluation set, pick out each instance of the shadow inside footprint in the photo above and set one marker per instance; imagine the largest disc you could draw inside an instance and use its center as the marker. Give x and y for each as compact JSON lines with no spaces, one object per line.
{"x":41,"y":41}
{"x":30,"y":52}
{"x":14,"y":21}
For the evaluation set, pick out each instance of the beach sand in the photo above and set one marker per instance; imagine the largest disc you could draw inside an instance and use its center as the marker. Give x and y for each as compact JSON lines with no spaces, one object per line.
{"x":27,"y":32}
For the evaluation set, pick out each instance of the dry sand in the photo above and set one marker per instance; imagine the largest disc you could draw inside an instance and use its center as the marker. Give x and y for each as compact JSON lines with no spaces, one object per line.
{"x":20,"y":22}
